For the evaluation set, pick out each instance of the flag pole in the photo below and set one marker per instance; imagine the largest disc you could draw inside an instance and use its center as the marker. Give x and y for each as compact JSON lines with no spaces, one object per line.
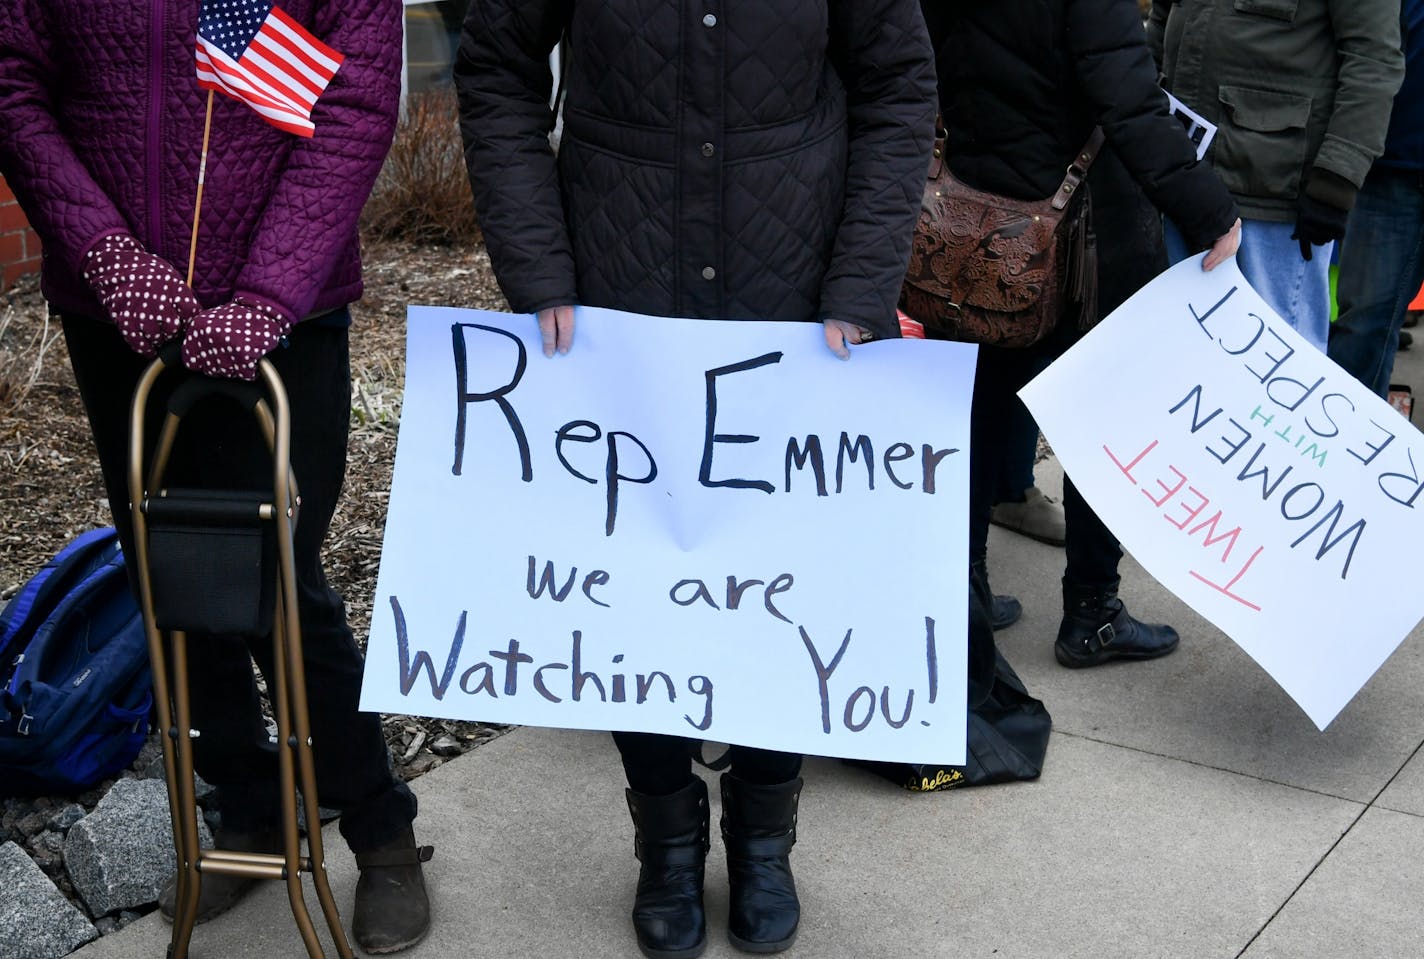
{"x":202,"y":176}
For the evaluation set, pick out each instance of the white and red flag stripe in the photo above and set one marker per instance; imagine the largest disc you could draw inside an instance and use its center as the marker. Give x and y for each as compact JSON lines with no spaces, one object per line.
{"x":255,"y":52}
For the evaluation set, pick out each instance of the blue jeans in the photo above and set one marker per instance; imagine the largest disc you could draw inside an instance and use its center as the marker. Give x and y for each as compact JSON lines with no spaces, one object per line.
{"x":1296,"y":288}
{"x":1381,"y":269}
{"x":1014,"y":476}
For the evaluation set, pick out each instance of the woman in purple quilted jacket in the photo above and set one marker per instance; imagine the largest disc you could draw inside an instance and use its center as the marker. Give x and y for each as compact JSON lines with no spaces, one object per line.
{"x":739,"y":159}
{"x":101,"y":123}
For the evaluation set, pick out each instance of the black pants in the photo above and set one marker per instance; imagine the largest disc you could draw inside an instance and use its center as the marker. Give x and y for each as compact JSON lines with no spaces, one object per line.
{"x":219,"y":447}
{"x":1130,"y":254}
{"x":1092,"y":550}
{"x":660,"y":765}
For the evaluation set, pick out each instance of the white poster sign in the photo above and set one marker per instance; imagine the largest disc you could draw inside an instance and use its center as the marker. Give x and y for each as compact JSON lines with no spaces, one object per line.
{"x":708,"y":529}
{"x":1253,"y":477}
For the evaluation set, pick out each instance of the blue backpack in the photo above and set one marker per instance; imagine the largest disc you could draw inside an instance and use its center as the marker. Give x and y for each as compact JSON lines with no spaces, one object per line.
{"x":76,"y":699}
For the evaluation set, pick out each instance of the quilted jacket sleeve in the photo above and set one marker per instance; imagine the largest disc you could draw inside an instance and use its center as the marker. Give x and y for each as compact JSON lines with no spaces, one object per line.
{"x":66,"y":207}
{"x":1116,"y":70}
{"x":504,"y":83}
{"x":884,"y":57}
{"x":310,"y":220}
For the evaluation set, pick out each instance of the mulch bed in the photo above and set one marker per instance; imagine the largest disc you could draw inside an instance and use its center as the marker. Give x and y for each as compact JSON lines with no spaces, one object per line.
{"x":51,"y":490}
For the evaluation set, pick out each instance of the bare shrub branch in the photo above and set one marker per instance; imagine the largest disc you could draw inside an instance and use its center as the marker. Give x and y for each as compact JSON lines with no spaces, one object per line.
{"x":423,"y":192}
{"x":21,"y":359}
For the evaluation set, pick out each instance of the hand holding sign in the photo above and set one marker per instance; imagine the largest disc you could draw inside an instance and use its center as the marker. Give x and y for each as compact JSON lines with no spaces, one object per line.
{"x":556,"y":329}
{"x":1224,"y":248}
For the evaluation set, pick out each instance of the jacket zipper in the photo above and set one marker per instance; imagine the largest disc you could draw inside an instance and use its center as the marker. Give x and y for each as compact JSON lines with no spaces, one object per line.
{"x":152,"y":151}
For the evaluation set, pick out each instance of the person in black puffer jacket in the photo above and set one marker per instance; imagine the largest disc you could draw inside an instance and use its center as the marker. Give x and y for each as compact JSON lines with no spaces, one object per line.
{"x":754,"y":159}
{"x":1022,"y":85}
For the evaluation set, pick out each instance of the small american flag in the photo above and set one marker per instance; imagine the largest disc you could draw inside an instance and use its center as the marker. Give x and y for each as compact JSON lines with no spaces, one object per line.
{"x":254,"y":52}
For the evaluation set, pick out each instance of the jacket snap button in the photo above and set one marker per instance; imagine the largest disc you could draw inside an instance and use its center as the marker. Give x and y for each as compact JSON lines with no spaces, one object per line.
{"x":708,"y":149}
{"x":708,"y":273}
{"x":709,"y":21}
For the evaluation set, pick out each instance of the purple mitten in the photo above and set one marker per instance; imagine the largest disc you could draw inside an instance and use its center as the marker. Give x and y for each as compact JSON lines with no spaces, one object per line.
{"x":228,"y":341}
{"x":143,"y":294}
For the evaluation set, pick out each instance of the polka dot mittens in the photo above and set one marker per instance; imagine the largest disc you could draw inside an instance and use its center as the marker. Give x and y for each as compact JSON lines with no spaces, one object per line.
{"x":150,"y":304}
{"x":143,"y":294}
{"x":228,"y":341}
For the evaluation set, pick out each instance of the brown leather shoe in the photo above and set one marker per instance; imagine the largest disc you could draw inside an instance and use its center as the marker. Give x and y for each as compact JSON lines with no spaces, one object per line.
{"x":392,"y":909}
{"x":219,"y":893}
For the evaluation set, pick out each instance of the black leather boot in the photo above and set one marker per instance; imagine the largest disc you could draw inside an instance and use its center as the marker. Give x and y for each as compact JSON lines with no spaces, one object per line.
{"x":217,"y":893}
{"x":759,"y":829}
{"x":1004,"y":610}
{"x":670,"y":840}
{"x":1097,"y":627}
{"x":392,"y":907}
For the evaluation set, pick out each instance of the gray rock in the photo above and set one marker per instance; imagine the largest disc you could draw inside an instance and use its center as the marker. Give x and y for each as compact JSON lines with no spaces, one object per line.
{"x":204,"y":793}
{"x":326,"y":815}
{"x":120,"y":854}
{"x":152,"y":768}
{"x":446,"y":745}
{"x":36,"y":921}
{"x":33,"y":824}
{"x":47,"y":850}
{"x":66,"y":817}
{"x":143,"y":762}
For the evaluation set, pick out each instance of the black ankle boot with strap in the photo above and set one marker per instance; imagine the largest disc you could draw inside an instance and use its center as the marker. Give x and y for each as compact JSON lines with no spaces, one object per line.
{"x":759,"y":829}
{"x":670,"y":841}
{"x":1097,"y":628}
{"x":392,"y":908}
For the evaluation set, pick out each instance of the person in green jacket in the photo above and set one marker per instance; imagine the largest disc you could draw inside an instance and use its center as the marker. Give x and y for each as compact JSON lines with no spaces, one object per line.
{"x":1300,"y":91}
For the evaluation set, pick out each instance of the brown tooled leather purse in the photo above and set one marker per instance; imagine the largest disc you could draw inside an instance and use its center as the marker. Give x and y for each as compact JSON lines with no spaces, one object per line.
{"x":994,"y":270}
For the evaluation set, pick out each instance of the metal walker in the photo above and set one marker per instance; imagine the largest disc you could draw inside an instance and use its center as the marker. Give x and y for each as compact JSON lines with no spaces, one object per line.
{"x":256,"y":529}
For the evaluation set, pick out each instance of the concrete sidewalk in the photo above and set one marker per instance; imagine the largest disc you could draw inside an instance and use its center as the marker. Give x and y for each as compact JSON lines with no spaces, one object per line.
{"x":1187,"y":809}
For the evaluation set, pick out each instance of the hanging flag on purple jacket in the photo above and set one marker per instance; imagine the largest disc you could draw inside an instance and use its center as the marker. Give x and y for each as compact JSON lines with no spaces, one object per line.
{"x":255,"y":52}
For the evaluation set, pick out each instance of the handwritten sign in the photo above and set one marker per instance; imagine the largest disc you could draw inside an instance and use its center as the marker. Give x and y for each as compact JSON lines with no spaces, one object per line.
{"x":710,"y":529}
{"x":1254,"y":478}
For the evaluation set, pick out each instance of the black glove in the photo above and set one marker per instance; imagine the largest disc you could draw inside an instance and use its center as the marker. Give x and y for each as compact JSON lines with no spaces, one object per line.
{"x":1318,"y":223}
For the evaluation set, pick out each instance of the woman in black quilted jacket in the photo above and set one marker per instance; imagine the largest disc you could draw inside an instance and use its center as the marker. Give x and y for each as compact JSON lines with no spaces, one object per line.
{"x":751,"y":159}
{"x":1022,"y":85}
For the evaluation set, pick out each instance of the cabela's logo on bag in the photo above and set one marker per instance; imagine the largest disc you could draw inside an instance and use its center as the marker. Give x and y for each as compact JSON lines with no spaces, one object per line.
{"x":943,"y":779}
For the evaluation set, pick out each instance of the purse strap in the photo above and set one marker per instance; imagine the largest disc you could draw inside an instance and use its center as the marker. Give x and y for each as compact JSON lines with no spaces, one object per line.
{"x":1072,"y":180}
{"x":1078,"y":170}
{"x":937,"y":158}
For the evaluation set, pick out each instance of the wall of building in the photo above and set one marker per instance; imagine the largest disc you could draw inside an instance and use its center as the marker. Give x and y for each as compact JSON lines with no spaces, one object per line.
{"x":19,"y":247}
